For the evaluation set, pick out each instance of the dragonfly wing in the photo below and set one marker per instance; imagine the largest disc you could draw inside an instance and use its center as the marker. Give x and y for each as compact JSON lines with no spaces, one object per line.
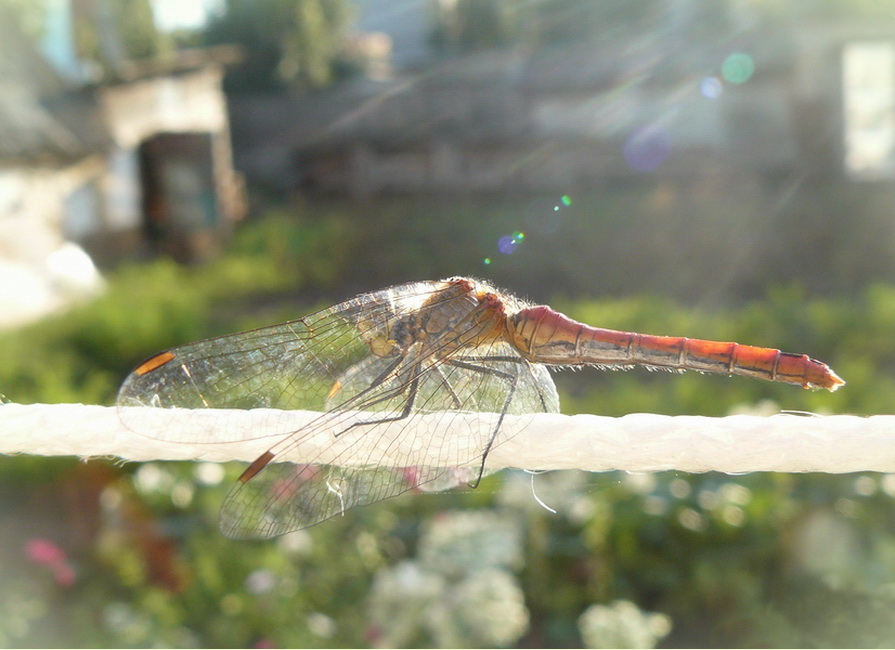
{"x":497,"y":379}
{"x":288,"y":366}
{"x":286,"y":497}
{"x":343,"y":363}
{"x":491,"y":383}
{"x":446,"y":478}
{"x":390,"y":452}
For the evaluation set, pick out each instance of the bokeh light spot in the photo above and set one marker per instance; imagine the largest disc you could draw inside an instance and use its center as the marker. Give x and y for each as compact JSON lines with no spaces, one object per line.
{"x":506,"y":244}
{"x":487,"y":260}
{"x":647,"y":148}
{"x":738,"y":68}
{"x":711,"y":87}
{"x":566,"y":201}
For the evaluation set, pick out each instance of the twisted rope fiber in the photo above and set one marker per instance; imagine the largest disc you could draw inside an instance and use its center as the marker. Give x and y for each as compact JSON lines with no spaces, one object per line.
{"x":635,"y":442}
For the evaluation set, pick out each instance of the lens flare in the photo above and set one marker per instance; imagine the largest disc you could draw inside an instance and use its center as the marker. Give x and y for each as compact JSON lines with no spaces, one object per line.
{"x":711,"y":87}
{"x":506,"y":244}
{"x":738,"y":68}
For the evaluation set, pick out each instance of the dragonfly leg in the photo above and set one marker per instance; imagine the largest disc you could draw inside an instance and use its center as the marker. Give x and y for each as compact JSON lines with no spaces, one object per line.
{"x":358,"y":399}
{"x":507,"y":359}
{"x":412,"y":389}
{"x":511,"y":379}
{"x":447,"y":386}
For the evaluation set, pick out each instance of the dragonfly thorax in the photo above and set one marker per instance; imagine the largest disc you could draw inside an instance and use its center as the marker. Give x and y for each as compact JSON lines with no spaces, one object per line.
{"x":461,"y":316}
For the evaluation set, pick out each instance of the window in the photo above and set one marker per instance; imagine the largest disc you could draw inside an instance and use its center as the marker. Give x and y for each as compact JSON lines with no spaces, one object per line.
{"x":868,"y":70}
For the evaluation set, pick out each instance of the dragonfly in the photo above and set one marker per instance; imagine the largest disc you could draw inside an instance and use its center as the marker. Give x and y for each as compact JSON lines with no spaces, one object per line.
{"x":436,"y":348}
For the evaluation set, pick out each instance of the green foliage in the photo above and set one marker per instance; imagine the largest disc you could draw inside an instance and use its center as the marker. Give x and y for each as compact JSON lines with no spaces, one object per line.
{"x":738,"y":561}
{"x":287,"y":42}
{"x":136,"y":26}
{"x":82,"y":355}
{"x":107,"y":33}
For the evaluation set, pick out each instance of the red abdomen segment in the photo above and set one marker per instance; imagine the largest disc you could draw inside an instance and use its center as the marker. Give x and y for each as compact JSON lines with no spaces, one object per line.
{"x":543,"y":335}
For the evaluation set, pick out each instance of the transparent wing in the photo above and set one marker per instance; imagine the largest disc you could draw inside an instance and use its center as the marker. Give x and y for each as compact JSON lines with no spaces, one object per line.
{"x":372,"y":400}
{"x":288,"y":497}
{"x":285,"y":496}
{"x":293,"y":365}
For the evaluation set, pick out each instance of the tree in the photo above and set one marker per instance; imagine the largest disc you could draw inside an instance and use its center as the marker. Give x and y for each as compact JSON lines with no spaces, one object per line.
{"x":291,"y":42}
{"x":108,"y":32}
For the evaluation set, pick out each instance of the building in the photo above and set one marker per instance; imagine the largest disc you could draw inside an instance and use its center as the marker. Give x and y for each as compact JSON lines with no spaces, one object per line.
{"x":693,"y":89}
{"x":140,"y":163}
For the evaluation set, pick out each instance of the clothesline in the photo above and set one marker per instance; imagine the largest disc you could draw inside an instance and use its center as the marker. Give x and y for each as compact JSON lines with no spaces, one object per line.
{"x":635,"y":442}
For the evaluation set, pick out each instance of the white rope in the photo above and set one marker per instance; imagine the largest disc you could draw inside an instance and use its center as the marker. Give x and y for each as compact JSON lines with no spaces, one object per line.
{"x":637,"y":442}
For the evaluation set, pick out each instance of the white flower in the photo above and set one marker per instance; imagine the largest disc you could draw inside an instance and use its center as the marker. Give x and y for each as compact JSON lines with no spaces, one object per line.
{"x":622,"y":625}
{"x":399,"y":600}
{"x":457,"y":543}
{"x":459,"y":592}
{"x":260,"y":581}
{"x":487,"y":608}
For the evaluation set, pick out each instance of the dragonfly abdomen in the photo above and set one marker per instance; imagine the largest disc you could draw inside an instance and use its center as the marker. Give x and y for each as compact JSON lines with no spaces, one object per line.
{"x":547,"y":336}
{"x":731,"y":359}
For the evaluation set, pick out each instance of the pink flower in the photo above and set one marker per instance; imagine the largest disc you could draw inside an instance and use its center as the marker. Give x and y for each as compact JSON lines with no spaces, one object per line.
{"x":45,"y":553}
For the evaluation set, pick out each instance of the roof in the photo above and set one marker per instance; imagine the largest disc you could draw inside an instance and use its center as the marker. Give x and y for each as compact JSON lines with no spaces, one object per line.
{"x":177,"y":62}
{"x":42,"y":117}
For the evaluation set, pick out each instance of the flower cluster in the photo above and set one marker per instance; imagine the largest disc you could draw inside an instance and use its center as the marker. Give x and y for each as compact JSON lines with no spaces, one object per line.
{"x":460,"y":591}
{"x":622,"y":625}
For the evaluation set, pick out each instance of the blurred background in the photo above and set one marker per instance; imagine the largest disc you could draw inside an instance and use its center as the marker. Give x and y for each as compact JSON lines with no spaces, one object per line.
{"x":177,"y":169}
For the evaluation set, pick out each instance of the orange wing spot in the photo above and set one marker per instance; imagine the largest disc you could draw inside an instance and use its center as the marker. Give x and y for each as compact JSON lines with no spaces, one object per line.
{"x":257,"y":465}
{"x":154,"y":362}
